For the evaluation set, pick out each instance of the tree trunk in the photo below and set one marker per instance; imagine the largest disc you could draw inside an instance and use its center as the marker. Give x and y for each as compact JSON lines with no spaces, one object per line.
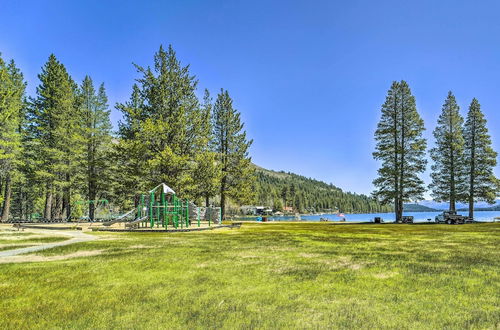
{"x":1,"y":183}
{"x":91,"y":177}
{"x":223,"y":198}
{"x":471,"y":190}
{"x":472,"y":171}
{"x":22,"y":204}
{"x":452,"y":186}
{"x":55,"y":205}
{"x":6,"y":202}
{"x":471,"y":207}
{"x":66,"y":212}
{"x":452,"y":172}
{"x":396,"y":166}
{"x":400,"y":216}
{"x":57,"y":215}
{"x":92,"y":197}
{"x":91,"y":210}
{"x":64,"y":209}
{"x":396,"y":209}
{"x":47,"y":211}
{"x":207,"y":200}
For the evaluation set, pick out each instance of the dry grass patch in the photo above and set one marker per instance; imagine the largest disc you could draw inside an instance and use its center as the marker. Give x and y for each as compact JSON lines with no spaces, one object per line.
{"x":142,"y":246}
{"x":207,"y":264}
{"x":112,"y":238}
{"x":385,"y":275}
{"x":309,"y":255}
{"x":14,"y":237}
{"x":281,"y":249}
{"x":40,"y":258}
{"x":247,"y":255}
{"x":7,"y":245}
{"x":343,"y":262}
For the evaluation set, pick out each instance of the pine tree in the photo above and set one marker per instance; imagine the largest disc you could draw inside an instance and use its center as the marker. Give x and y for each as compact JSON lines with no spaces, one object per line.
{"x":159,"y":135}
{"x":12,"y":101}
{"x":128,"y":154}
{"x":401,"y":148}
{"x":298,"y":203}
{"x":97,"y":139}
{"x":232,"y":145}
{"x":291,"y":196}
{"x":55,"y":125}
{"x":480,"y":159}
{"x":28,"y":192}
{"x":284,"y":195}
{"x":449,"y":169}
{"x":207,"y":172}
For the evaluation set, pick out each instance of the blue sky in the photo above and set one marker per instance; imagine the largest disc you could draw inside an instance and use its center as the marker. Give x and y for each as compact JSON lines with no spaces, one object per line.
{"x":308,"y":76}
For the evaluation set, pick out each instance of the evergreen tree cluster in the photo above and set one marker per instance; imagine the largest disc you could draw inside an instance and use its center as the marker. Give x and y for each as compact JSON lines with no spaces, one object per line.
{"x":12,"y":106}
{"x":199,"y":148}
{"x":281,"y":190}
{"x":463,"y":158}
{"x":58,"y":151}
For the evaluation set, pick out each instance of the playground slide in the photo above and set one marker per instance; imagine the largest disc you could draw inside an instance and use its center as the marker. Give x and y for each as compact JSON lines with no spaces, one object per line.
{"x":119,"y":219}
{"x":129,"y":224}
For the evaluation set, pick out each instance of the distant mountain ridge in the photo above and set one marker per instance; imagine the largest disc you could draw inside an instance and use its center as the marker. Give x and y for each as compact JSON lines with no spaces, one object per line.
{"x":480,"y":206}
{"x":494,"y":207}
{"x":417,"y":208}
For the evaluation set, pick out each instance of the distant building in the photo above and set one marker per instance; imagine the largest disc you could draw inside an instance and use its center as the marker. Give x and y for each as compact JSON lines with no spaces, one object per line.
{"x":255,"y":210}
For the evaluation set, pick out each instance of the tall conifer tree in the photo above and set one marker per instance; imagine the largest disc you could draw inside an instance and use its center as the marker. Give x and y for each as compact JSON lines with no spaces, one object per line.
{"x":232,"y":145}
{"x":161,"y":128}
{"x":97,"y":139}
{"x":207,"y":171}
{"x":128,"y":155}
{"x":12,"y":102}
{"x":480,"y":159}
{"x":55,"y":121}
{"x":448,"y":175}
{"x":401,"y":148}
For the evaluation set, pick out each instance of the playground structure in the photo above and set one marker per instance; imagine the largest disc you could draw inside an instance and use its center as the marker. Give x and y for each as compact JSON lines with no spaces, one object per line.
{"x":162,"y":208}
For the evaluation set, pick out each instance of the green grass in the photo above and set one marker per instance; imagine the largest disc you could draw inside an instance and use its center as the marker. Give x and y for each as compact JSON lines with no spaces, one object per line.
{"x":292,"y":275}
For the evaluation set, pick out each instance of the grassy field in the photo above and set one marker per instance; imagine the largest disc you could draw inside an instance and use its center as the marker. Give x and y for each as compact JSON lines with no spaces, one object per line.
{"x":292,"y":275}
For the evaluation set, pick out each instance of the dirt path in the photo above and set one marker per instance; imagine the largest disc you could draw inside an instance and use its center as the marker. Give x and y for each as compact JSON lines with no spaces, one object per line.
{"x":76,"y":237}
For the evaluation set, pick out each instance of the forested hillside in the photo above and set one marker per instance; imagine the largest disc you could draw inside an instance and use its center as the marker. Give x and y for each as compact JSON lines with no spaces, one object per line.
{"x":417,"y":208}
{"x":280,"y":190}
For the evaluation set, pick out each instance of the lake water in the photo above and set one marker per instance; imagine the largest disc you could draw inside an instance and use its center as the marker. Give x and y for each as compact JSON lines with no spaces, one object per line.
{"x":487,"y":216}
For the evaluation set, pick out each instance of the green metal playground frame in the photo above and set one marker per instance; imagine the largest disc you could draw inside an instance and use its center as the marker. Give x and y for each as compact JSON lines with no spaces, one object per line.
{"x":161,"y":207}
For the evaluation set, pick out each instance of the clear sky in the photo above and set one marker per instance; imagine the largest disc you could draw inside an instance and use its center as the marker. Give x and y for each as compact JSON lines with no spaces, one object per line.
{"x":308,"y":76}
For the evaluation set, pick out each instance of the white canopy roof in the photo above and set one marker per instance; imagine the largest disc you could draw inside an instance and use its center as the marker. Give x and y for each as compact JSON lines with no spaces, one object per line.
{"x":166,"y":189}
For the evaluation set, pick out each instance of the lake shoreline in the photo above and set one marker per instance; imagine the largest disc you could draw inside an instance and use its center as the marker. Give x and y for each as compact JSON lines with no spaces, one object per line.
{"x":419,"y":217}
